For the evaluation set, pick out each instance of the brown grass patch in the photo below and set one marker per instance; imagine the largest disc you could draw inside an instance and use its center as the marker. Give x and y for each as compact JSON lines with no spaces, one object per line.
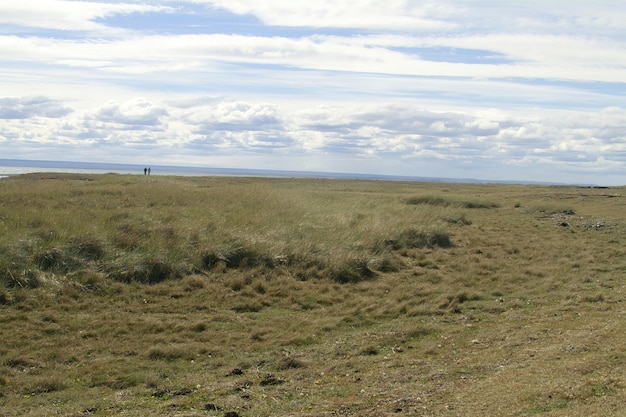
{"x":326,"y":297}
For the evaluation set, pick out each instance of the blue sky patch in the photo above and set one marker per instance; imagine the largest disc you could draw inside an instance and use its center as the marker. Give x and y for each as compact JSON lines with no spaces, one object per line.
{"x":456,"y":55}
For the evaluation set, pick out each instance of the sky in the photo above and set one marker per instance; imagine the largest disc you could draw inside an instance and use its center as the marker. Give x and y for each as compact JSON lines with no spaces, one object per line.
{"x":530,"y":90}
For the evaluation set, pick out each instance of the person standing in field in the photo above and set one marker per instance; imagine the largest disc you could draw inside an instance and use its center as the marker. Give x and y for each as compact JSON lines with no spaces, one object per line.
{"x":145,"y":171}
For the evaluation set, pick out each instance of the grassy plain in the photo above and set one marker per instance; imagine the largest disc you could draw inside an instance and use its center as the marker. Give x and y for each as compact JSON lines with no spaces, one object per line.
{"x":216,"y":296}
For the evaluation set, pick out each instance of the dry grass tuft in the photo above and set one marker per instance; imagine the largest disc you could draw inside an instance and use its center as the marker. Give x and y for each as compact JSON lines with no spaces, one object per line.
{"x":412,"y":239}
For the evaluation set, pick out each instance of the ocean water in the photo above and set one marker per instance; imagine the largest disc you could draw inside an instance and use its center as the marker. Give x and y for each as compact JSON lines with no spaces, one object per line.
{"x":16,"y":167}
{"x":10,"y":167}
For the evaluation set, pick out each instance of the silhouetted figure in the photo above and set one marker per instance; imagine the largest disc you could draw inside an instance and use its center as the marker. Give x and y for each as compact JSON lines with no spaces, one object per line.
{"x":149,"y":170}
{"x":145,"y":171}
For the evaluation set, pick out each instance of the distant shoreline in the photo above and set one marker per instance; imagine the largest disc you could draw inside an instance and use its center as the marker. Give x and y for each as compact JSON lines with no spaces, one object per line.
{"x":9,"y":167}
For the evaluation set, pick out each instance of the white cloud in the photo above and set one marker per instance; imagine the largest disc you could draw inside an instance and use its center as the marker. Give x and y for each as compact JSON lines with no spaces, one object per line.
{"x":138,"y":113}
{"x":65,"y":14}
{"x":31,"y":107}
{"x":582,"y":60}
{"x":545,"y":50}
{"x":234,"y":116}
{"x":371,"y":14}
{"x":213,"y":126}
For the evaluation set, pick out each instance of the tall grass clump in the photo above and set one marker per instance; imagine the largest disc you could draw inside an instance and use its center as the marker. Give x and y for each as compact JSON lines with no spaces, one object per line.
{"x":88,"y":247}
{"x":460,"y":219}
{"x":54,"y":259}
{"x":352,"y":271}
{"x":430,"y":200}
{"x":14,"y":276}
{"x":235,"y":256}
{"x":450,"y":202}
{"x":418,"y":239}
{"x":150,"y":270}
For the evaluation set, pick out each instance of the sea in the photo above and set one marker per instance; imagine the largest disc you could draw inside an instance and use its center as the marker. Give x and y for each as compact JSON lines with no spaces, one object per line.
{"x":10,"y":167}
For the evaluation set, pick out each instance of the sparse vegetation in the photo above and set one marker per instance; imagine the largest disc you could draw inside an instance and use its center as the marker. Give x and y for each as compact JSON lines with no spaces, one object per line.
{"x":133,"y":295}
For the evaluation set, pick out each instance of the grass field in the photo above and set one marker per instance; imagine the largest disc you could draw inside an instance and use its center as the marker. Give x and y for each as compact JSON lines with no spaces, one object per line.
{"x":182,"y":296}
